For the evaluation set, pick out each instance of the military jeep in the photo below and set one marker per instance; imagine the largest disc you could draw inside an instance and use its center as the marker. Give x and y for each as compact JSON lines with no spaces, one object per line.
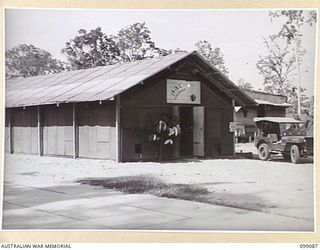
{"x":283,"y":135}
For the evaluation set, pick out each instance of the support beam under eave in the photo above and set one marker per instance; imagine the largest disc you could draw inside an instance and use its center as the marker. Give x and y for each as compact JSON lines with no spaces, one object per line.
{"x":75,"y":132}
{"x":40,"y":136}
{"x":118,"y":130}
{"x":219,"y":85}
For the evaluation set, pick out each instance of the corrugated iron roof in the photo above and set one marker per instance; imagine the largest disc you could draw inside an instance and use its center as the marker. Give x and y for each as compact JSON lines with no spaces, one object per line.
{"x":94,"y":84}
{"x":260,"y":95}
{"x":276,"y":119}
{"x":272,"y":104}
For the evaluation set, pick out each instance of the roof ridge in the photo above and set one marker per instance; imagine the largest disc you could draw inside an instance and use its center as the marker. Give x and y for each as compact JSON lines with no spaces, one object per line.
{"x":120,"y":63}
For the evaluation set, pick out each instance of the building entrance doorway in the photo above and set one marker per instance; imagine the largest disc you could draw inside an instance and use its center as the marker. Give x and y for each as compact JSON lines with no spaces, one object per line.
{"x":186,"y":124}
{"x":192,"y":131}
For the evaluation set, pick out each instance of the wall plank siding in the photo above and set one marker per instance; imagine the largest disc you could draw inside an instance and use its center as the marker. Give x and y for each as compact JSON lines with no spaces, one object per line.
{"x":7,"y":134}
{"x":25,"y":130}
{"x":96,"y":129}
{"x":57,"y":130}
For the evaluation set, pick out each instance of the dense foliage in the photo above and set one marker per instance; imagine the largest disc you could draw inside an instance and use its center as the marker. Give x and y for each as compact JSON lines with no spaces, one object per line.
{"x":95,"y":48}
{"x":28,"y":60}
{"x":213,"y":56}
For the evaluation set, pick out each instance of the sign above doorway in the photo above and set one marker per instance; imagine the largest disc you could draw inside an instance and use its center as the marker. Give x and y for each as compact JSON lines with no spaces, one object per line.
{"x":184,"y":92}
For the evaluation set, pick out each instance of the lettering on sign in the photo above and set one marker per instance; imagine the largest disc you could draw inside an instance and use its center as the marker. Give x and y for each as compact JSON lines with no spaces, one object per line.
{"x":182,"y":91}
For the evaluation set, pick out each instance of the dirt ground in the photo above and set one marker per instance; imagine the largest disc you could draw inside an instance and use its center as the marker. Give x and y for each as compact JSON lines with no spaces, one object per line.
{"x":273,"y":187}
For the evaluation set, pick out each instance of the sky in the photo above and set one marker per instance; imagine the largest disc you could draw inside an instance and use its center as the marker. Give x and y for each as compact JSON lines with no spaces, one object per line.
{"x":238,"y":33}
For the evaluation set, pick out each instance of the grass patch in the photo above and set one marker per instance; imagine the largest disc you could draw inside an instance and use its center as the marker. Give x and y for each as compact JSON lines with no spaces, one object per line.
{"x":30,"y":173}
{"x":149,"y":185}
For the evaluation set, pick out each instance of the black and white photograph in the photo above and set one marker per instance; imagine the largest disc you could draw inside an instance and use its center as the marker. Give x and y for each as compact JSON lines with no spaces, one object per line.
{"x":159,"y":119}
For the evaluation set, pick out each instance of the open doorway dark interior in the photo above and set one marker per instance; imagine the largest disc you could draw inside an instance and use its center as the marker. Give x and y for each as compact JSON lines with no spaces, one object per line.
{"x":186,"y":138}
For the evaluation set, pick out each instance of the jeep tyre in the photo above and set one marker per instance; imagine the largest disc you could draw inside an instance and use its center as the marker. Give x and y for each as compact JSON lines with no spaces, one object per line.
{"x":263,"y":151}
{"x":295,"y":154}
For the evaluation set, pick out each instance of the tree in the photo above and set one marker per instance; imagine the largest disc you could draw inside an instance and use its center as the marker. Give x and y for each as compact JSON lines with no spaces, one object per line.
{"x":91,"y":49}
{"x":172,"y":51}
{"x":94,"y":48}
{"x":277,"y":67}
{"x":294,"y":20}
{"x":308,"y":115}
{"x":290,"y":30}
{"x":244,"y":85}
{"x":213,"y":56}
{"x":134,"y":43}
{"x":308,"y":106}
{"x":28,"y":60}
{"x":278,"y":70}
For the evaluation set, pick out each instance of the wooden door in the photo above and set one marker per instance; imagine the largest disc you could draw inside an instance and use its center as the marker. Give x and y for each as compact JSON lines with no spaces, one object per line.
{"x":198,"y":131}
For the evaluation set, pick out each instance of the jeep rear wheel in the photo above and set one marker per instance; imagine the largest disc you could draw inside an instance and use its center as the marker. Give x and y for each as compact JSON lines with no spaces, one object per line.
{"x":295,"y":154}
{"x":263,"y":152}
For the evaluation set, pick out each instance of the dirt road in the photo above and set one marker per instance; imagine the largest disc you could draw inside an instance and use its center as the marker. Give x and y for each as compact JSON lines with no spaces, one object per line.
{"x":275,"y":188}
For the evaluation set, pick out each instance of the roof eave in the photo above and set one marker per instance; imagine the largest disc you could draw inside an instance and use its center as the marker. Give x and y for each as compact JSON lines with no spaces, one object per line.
{"x":249,"y":100}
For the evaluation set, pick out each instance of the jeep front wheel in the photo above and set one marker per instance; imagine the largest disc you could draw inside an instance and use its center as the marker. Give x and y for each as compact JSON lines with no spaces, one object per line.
{"x":263,"y":152}
{"x":295,"y":154}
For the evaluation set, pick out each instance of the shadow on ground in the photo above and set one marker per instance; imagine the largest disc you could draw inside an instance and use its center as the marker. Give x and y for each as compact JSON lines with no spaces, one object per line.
{"x":151,"y":185}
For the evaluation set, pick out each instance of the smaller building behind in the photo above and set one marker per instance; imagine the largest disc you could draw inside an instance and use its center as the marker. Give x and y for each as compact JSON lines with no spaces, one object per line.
{"x":267,"y":105}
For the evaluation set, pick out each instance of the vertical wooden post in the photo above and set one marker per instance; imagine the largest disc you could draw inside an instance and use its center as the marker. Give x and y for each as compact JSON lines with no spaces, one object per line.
{"x":10,"y":131}
{"x":198,"y":131}
{"x":40,"y":137}
{"x":234,"y":136}
{"x":118,"y":130}
{"x":75,"y":132}
{"x":176,"y":144}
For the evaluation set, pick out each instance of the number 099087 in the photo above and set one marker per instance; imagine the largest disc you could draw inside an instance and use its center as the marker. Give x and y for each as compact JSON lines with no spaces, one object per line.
{"x":308,"y":245}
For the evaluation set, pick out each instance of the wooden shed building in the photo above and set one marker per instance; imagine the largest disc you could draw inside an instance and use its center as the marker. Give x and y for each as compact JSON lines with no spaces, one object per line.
{"x":271,"y":105}
{"x":108,"y":112}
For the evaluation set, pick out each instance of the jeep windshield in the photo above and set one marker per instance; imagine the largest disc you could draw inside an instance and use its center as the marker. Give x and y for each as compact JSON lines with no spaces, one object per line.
{"x":292,"y":129}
